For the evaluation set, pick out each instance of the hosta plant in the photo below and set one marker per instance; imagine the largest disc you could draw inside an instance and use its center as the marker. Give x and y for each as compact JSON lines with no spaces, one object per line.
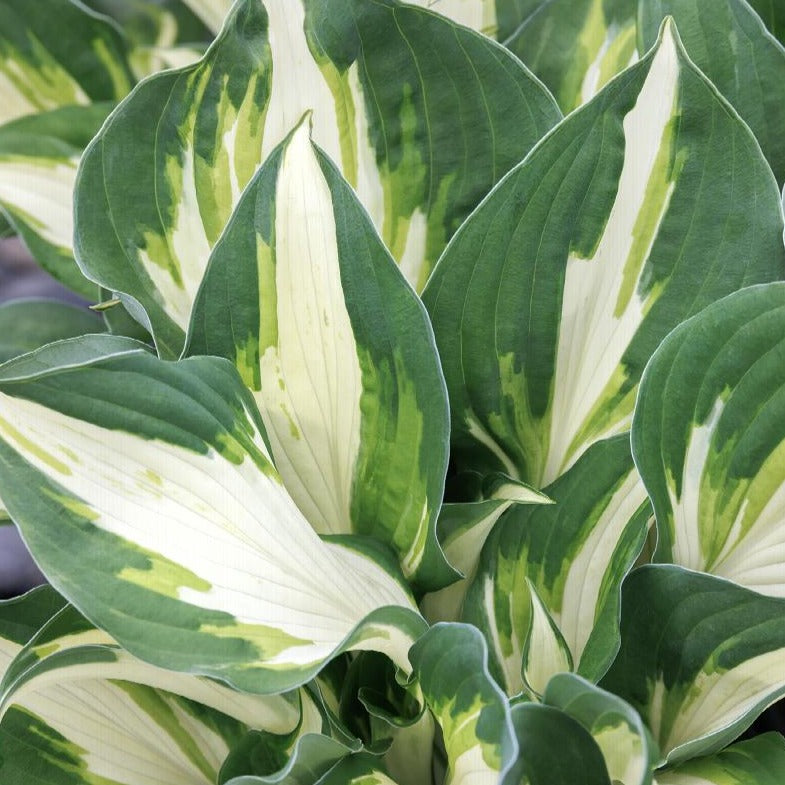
{"x":433,"y":426}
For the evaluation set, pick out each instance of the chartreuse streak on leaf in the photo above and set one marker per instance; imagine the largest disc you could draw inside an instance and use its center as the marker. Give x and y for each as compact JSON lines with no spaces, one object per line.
{"x":339,"y":354}
{"x":577,"y":46}
{"x":384,"y":110}
{"x":630,"y":753}
{"x":729,"y":43}
{"x":42,"y":69}
{"x":174,"y":726}
{"x":575,"y":555}
{"x":713,"y":465}
{"x":169,"y":548}
{"x":539,"y":374}
{"x":450,"y":662}
{"x":719,"y":665}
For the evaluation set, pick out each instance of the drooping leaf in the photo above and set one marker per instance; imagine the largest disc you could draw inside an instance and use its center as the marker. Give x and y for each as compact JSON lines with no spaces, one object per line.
{"x":450,"y":662}
{"x":728,"y":42}
{"x":143,"y":725}
{"x":41,"y":68}
{"x":758,"y":761}
{"x":577,"y":47}
{"x":575,"y":553}
{"x":554,"y":749}
{"x":339,"y":353}
{"x":700,"y":657}
{"x":629,"y":752}
{"x":709,"y":440}
{"x":26,"y":325}
{"x":146,"y":493}
{"x":632,"y":215}
{"x":379,"y":78}
{"x":39,"y":156}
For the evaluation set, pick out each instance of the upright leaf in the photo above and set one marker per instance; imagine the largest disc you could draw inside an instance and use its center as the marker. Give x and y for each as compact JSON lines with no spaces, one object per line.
{"x":146,"y":493}
{"x":633,"y":214}
{"x":575,"y":553}
{"x":577,"y":47}
{"x":450,"y":662}
{"x":709,"y":440}
{"x":380,"y":79}
{"x":700,"y":657}
{"x":339,"y":353}
{"x":729,"y":43}
{"x":42,"y":68}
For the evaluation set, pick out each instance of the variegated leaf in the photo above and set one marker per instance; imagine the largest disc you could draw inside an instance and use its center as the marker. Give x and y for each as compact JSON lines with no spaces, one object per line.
{"x":626,"y":745}
{"x":632,"y":215}
{"x":450,"y":662}
{"x":360,"y":769}
{"x":462,"y":529}
{"x":575,"y":554}
{"x":700,"y":657}
{"x":576,"y":47}
{"x":26,"y":325}
{"x":146,"y":493}
{"x":78,"y":709}
{"x":164,"y":34}
{"x":728,"y":42}
{"x":339,"y":353}
{"x":379,"y":78}
{"x":39,"y":156}
{"x":709,"y":440}
{"x":192,"y":137}
{"x":554,"y":749}
{"x":312,"y":755}
{"x":42,"y":68}
{"x":758,"y":761}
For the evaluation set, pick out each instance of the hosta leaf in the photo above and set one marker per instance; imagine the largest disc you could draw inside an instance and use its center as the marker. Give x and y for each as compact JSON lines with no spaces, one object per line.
{"x":22,"y":617}
{"x":575,"y":553}
{"x":700,"y":657}
{"x":758,"y":761}
{"x":39,"y":156}
{"x":380,"y":79}
{"x":143,"y":725}
{"x":462,"y":529}
{"x":339,"y":353}
{"x":360,"y":769}
{"x":772,"y":12}
{"x":709,"y":440}
{"x":26,"y":325}
{"x":554,"y":749}
{"x":577,"y":47}
{"x":728,"y":42}
{"x":146,"y":493}
{"x":42,"y":69}
{"x":211,"y":12}
{"x":192,"y":137}
{"x":629,"y":753}
{"x":313,"y":754}
{"x":450,"y":662}
{"x":633,"y":214}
